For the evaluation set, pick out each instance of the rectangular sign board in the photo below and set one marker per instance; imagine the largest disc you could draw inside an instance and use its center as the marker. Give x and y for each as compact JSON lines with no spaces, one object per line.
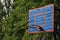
{"x":41,"y":19}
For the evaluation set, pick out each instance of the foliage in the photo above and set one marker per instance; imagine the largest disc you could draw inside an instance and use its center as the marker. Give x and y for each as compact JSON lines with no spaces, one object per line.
{"x":15,"y":27}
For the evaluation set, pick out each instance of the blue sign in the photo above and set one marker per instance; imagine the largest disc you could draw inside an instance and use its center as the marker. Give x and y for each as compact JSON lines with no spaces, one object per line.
{"x":41,"y":19}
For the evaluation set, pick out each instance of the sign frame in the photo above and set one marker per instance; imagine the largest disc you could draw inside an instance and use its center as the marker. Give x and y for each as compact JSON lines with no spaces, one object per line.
{"x":35,"y":15}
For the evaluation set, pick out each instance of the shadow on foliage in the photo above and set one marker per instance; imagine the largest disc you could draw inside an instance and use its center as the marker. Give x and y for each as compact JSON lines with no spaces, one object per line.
{"x":20,"y":33}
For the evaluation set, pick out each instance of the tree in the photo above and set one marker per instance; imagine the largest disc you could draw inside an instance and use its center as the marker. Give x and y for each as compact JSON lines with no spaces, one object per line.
{"x":15,"y":27}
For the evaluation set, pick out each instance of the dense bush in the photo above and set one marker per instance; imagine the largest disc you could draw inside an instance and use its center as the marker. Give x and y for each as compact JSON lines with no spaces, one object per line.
{"x":15,"y":27}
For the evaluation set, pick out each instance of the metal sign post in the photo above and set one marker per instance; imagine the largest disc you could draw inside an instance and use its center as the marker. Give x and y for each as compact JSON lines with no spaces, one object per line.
{"x":41,"y":20}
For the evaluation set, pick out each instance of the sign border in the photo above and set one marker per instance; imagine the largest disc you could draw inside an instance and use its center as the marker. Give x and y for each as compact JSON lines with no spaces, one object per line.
{"x":52,"y":20}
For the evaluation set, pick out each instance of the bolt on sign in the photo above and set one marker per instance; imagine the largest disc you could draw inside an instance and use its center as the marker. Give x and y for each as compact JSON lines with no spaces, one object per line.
{"x":41,"y":19}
